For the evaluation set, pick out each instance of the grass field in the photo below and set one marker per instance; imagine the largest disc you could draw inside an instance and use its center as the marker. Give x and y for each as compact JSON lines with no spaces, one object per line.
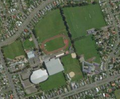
{"x":71,"y":64}
{"x":54,"y":81}
{"x":87,"y":47}
{"x":55,"y":44}
{"x":117,"y":94}
{"x":13,"y":50}
{"x":28,"y":44}
{"x":82,"y":18}
{"x":51,"y":25}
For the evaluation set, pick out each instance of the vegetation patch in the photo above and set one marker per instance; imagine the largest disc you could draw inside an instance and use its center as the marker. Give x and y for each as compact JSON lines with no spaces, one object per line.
{"x":80,"y":19}
{"x":72,"y":65}
{"x":51,"y":25}
{"x":87,"y":47}
{"x":13,"y":50}
{"x":28,"y":43}
{"x":54,"y":81}
{"x":55,"y":44}
{"x":117,"y":94}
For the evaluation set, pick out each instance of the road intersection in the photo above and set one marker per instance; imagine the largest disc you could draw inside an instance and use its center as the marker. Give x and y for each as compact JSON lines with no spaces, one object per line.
{"x":72,"y":92}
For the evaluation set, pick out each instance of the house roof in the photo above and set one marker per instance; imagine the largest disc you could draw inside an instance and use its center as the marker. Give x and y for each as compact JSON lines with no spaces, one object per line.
{"x":39,"y":76}
{"x":53,"y":66}
{"x":31,"y":54}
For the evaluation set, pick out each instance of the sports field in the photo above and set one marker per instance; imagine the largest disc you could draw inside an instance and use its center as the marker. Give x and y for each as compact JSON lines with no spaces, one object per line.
{"x":54,"y":81}
{"x":51,"y":25}
{"x":117,"y":94}
{"x":72,"y":65}
{"x":87,"y":47}
{"x":82,"y":18}
{"x":55,"y":44}
{"x":27,"y":44}
{"x":13,"y":50}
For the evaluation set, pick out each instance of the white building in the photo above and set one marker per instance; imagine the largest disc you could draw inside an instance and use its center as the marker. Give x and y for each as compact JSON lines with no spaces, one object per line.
{"x":38,"y":76}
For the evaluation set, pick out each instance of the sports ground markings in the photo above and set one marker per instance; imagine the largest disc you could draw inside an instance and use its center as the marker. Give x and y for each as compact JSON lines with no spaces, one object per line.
{"x":66,"y":42}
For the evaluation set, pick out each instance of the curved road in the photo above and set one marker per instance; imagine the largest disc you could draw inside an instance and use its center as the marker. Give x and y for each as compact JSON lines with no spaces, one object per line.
{"x":17,"y":35}
{"x":25,"y":23}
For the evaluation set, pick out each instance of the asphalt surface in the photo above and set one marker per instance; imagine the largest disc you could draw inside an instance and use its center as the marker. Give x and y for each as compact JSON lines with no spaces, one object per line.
{"x":14,"y":37}
{"x":8,"y":75}
{"x":26,"y":22}
{"x":118,"y":39}
{"x":72,"y":92}
{"x":88,"y":87}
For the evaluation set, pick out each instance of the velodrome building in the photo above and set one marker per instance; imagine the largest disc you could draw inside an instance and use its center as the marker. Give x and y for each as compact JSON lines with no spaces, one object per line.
{"x":52,"y":67}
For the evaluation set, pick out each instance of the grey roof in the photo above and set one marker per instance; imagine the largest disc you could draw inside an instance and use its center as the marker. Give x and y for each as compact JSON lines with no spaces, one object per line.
{"x":31,"y":54}
{"x":91,"y":31}
{"x":53,"y":66}
{"x":90,"y":67}
{"x":25,"y":74}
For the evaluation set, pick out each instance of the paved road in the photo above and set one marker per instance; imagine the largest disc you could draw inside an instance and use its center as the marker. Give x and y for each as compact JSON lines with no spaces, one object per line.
{"x":8,"y":75}
{"x":117,"y":40}
{"x":88,"y":87}
{"x":26,"y":22}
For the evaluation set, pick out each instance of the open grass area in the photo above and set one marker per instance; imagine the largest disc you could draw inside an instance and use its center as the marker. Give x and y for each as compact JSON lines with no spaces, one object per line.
{"x":55,"y":44}
{"x":72,"y":65}
{"x":54,"y":81}
{"x":117,"y":94}
{"x":27,"y":44}
{"x":87,"y":47}
{"x":80,"y":19}
{"x":13,"y":50}
{"x":51,"y":25}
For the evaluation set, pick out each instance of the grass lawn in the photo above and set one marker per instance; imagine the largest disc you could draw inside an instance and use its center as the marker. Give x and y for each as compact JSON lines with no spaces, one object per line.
{"x":55,"y":44}
{"x":28,"y":44}
{"x":80,"y":19}
{"x":71,"y":64}
{"x":87,"y":47}
{"x":51,"y":25}
{"x":117,"y":94}
{"x":13,"y":50}
{"x":54,"y":81}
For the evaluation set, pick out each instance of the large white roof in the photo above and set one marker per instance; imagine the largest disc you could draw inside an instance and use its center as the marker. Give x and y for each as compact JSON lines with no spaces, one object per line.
{"x":39,"y":76}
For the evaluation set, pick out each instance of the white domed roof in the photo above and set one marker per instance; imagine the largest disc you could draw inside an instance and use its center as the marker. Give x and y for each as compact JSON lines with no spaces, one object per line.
{"x":39,"y":76}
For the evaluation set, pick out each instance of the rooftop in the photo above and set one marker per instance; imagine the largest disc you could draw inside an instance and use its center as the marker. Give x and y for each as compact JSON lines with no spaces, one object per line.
{"x":53,"y":66}
{"x":30,"y":54}
{"x":39,"y":76}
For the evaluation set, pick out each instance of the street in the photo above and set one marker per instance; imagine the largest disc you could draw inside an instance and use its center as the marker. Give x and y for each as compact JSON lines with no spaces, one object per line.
{"x":88,"y":87}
